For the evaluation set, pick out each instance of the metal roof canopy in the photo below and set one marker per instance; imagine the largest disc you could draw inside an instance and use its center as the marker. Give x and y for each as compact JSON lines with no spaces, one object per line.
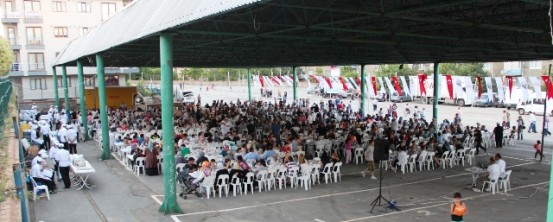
{"x":263,"y":33}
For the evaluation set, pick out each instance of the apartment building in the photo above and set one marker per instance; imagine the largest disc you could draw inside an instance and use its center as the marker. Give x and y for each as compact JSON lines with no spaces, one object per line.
{"x":38,"y":30}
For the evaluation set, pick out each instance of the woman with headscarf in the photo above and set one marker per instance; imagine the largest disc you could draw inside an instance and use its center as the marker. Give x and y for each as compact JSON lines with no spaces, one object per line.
{"x":151,"y":152}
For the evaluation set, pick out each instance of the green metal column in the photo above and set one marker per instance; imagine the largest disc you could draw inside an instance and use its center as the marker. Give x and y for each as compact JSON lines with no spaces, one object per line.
{"x":82,"y":100}
{"x":169,"y":204}
{"x":56,"y":94}
{"x":65,"y":91}
{"x":362,"y":103}
{"x":436,"y":96}
{"x":249,"y":85}
{"x":106,"y":155}
{"x":295,"y":85}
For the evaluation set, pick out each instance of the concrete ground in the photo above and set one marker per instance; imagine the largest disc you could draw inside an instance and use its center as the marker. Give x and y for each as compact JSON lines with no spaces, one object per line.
{"x":422,"y":196}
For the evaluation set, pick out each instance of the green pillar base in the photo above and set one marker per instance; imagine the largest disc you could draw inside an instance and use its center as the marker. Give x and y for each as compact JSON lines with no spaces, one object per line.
{"x":106,"y":156}
{"x":168,"y":208}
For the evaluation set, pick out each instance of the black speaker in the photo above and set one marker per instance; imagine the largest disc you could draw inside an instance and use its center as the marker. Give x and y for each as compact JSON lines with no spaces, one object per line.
{"x":381,"y":149}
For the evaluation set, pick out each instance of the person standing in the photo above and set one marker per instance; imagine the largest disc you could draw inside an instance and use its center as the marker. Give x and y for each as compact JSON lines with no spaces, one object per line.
{"x":506,"y":119}
{"x":458,"y":208}
{"x":478,"y":140}
{"x":62,"y":133}
{"x":71,"y":138}
{"x":537,"y":148}
{"x":64,"y":162}
{"x":520,"y":128}
{"x":546,"y":126}
{"x":498,"y":132}
{"x":375,"y":104}
{"x":532,"y":120}
{"x":369,"y":155}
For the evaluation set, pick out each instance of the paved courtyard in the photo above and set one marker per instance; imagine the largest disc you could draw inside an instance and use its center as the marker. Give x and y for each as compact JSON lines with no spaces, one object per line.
{"x":422,"y":196}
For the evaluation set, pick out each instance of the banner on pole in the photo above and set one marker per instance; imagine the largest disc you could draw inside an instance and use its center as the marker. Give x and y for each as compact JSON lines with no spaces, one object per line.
{"x":537,"y":87}
{"x":396,"y":85}
{"x":389,"y":85}
{"x":549,"y":86}
{"x":479,"y":82}
{"x":510,"y":82}
{"x":500,"y":87}
{"x":373,"y":82}
{"x":422,"y":79}
{"x":449,"y":82}
{"x":524,"y":86}
{"x":469,"y":88}
{"x":404,"y":84}
{"x":489,"y":86}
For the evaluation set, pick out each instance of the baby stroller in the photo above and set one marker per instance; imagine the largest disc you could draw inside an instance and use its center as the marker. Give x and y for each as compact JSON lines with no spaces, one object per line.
{"x":186,"y":185}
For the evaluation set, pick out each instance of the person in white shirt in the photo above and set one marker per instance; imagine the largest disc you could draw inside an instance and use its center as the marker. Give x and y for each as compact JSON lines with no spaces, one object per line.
{"x":369,"y":156}
{"x":492,"y":173}
{"x":64,"y":162}
{"x":45,"y":133}
{"x":532,"y":120}
{"x":501,"y":163}
{"x":62,"y":135}
{"x":36,"y":138}
{"x":39,"y":173}
{"x":52,"y":153}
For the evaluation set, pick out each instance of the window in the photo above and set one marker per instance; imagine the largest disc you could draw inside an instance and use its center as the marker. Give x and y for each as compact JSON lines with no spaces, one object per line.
{"x":58,"y":6}
{"x":32,"y":9}
{"x":12,"y":37}
{"x":90,"y":81}
{"x":60,"y":32}
{"x":36,"y":62}
{"x":10,"y":6}
{"x":108,"y":9}
{"x":511,"y":65}
{"x":535,"y":64}
{"x":112,"y":80}
{"x":60,"y":82}
{"x":83,"y":7}
{"x":83,"y":30}
{"x":37,"y":83}
{"x":34,"y":36}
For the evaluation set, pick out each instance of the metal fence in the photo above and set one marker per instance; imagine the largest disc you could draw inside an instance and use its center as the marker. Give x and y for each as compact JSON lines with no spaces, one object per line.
{"x":5,"y":95}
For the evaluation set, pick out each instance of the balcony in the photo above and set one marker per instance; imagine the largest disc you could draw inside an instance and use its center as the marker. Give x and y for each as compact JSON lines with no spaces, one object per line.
{"x":11,"y":17}
{"x":15,"y":70}
{"x":36,"y":67}
{"x":33,"y":17}
{"x":35,"y":42}
{"x":14,"y":43}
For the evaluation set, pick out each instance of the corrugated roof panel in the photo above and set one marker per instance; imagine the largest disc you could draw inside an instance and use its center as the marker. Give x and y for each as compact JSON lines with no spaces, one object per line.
{"x":143,"y":18}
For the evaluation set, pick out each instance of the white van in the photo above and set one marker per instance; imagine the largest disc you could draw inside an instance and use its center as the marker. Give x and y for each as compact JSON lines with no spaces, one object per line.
{"x":535,"y":106}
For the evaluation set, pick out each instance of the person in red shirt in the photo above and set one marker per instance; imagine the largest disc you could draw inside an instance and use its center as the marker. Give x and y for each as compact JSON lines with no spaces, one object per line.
{"x":537,"y":147}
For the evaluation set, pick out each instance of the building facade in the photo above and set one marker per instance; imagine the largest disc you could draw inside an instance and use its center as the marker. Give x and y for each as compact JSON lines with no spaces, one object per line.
{"x":38,"y":30}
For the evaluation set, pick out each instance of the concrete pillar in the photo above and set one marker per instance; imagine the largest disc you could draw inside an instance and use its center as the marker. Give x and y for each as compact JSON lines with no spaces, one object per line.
{"x":106,"y":152}
{"x":81,"y":99}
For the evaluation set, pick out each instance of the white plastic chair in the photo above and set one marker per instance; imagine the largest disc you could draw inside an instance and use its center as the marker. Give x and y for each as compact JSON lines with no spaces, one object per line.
{"x":305,"y":177}
{"x":261,"y":179}
{"x":139,"y":164}
{"x":336,"y":172}
{"x":470,"y":156}
{"x":403,"y":164}
{"x":429,"y":161}
{"x":359,"y":155}
{"x":159,"y":163}
{"x":222,"y":183}
{"x":492,"y":184}
{"x":505,"y":182}
{"x":444,"y":159}
{"x":315,"y":174}
{"x":412,"y":162}
{"x":292,"y":176}
{"x":327,"y":172}
{"x":236,"y":185}
{"x":281,"y":177}
{"x":271,"y":181}
{"x":207,"y":184}
{"x":450,"y":159}
{"x":248,"y":181}
{"x":421,"y":161}
{"x":460,"y":156}
{"x":37,"y":188}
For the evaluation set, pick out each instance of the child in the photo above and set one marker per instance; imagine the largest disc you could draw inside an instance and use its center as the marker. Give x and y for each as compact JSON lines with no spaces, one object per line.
{"x":458,"y":208}
{"x":537,"y":147}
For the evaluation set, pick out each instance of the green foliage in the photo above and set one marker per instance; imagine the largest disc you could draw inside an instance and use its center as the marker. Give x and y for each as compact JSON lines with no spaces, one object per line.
{"x":348,"y":71}
{"x":392,"y":69}
{"x":142,"y":89}
{"x":151,"y":73}
{"x":6,"y":57}
{"x":319,"y":71}
{"x":463,"y":69}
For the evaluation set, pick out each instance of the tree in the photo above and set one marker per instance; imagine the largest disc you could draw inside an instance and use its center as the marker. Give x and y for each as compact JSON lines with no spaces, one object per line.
{"x":392,"y":69}
{"x":6,"y":57}
{"x":463,"y":69}
{"x":348,"y":71}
